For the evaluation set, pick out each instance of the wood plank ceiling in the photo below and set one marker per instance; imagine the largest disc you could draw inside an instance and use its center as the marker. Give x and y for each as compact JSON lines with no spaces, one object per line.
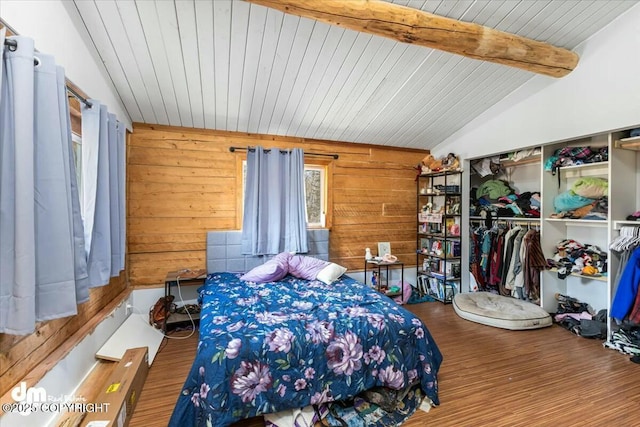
{"x":232,"y":65}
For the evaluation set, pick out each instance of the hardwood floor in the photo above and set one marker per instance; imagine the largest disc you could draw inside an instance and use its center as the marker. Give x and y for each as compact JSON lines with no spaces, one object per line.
{"x":489,"y":377}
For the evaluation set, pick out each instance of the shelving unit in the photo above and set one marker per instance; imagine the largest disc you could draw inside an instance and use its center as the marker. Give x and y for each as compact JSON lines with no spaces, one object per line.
{"x":439,"y":198}
{"x":620,"y":172}
{"x":623,"y":200}
{"x":592,"y":290}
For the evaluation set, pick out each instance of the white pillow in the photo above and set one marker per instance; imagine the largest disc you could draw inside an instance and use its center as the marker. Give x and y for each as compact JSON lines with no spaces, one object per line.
{"x":331,"y":273}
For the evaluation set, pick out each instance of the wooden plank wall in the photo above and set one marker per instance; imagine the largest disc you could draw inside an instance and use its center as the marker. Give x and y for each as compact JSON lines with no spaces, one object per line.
{"x":20,"y":355}
{"x":183,"y":182}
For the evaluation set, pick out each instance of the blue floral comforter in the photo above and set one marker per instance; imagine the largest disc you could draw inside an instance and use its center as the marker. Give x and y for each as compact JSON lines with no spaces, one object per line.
{"x":268,"y":347}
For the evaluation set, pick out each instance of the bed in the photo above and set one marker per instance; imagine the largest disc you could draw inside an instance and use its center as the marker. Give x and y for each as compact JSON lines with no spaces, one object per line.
{"x":269,"y":347}
{"x":500,"y":311}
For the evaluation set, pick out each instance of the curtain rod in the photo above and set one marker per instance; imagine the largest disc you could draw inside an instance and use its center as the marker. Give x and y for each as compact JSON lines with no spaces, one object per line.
{"x":79,"y":97}
{"x":13,"y":45}
{"x":232,"y":149}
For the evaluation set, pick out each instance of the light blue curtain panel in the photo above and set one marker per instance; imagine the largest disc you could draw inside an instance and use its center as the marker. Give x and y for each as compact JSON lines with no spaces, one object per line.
{"x":89,"y":172}
{"x":79,"y":253}
{"x":114,"y":208}
{"x":53,"y":246}
{"x":103,"y":179}
{"x":17,"y":213}
{"x":295,"y":229}
{"x":121,"y":137}
{"x":55,"y":266}
{"x":274,"y":218}
{"x":38,"y":268}
{"x":96,"y":119}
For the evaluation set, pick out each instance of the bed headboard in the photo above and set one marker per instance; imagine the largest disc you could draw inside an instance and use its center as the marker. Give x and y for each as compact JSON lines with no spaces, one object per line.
{"x":224,"y":250}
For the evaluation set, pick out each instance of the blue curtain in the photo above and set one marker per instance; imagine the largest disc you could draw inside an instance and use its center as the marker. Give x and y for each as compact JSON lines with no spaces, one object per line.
{"x":122,"y":224}
{"x":103,"y":192}
{"x":80,"y":256}
{"x":53,"y":246}
{"x":39,"y":269}
{"x":274,"y":205}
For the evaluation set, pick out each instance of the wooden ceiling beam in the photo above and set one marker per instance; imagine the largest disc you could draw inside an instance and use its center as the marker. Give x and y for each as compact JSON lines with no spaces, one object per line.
{"x":414,"y":26}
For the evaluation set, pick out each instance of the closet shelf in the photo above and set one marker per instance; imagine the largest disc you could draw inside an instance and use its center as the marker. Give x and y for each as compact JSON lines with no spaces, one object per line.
{"x":506,"y":218}
{"x":632,"y":143}
{"x":580,"y":222}
{"x":526,"y":161}
{"x":619,"y":224}
{"x":583,"y":276}
{"x":595,"y":165}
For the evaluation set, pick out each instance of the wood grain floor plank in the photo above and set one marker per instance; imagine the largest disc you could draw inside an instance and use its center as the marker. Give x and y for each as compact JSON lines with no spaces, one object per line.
{"x":489,"y":377}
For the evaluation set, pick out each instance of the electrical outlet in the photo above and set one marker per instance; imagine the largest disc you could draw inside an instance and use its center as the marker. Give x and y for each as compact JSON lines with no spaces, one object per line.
{"x":129,"y":308}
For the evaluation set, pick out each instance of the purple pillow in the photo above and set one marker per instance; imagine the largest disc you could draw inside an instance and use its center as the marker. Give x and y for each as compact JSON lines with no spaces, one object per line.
{"x":306,"y":267}
{"x":271,"y":271}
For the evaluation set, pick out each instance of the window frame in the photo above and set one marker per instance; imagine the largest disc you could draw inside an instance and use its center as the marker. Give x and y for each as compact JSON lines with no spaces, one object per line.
{"x":323,"y":194}
{"x":76,"y":141}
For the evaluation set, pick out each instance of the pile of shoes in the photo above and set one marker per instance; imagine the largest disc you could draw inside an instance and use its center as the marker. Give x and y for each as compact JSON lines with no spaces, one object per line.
{"x":627,"y":341}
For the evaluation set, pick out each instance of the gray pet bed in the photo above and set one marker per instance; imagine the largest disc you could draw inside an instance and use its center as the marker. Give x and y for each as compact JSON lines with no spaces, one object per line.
{"x":500,"y":311}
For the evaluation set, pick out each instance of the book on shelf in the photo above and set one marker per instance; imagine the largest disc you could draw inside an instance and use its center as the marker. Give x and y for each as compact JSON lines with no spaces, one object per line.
{"x":451,"y":268}
{"x":441,"y":289}
{"x":452,"y":248}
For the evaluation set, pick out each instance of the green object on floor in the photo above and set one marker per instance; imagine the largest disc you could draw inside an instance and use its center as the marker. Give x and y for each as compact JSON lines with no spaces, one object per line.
{"x":415,"y":298}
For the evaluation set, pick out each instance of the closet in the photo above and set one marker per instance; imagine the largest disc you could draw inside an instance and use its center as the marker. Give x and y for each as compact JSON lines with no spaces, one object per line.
{"x":589,"y":190}
{"x":504,"y":205}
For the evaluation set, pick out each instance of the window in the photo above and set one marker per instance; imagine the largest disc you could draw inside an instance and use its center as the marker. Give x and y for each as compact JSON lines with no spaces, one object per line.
{"x":315,"y":187}
{"x":77,"y":159}
{"x":315,"y":194}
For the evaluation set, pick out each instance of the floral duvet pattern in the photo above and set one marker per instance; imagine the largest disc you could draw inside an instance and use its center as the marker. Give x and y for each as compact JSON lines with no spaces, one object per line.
{"x":293,"y":343}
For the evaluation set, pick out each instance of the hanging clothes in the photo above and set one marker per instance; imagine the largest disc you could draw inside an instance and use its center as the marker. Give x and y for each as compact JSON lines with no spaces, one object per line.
{"x":533,"y":264}
{"x":626,"y":302}
{"x":516,"y":261}
{"x":475,"y":255}
{"x":495,"y":256}
{"x":507,"y":259}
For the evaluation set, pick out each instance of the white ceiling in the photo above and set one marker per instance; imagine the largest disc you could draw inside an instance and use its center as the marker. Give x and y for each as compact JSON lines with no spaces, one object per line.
{"x":231,"y":65}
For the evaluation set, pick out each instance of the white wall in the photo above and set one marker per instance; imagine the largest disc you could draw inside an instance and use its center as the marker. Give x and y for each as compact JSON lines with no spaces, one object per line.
{"x":602,"y":94}
{"x":57,"y":30}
